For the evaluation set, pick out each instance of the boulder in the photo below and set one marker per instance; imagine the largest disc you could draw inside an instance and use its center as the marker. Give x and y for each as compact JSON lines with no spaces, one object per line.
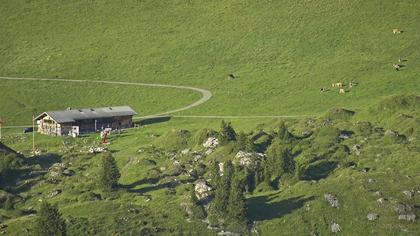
{"x":251,"y":160}
{"x":202,"y":189}
{"x":335,"y":228}
{"x":402,"y":208}
{"x":209,"y":151}
{"x":408,"y":217}
{"x":221,"y":168}
{"x":409,"y":194}
{"x":381,"y":200}
{"x":57,"y":170}
{"x":185,"y":151}
{"x":211,"y":143}
{"x":332,"y":200}
{"x":97,"y":149}
{"x":372,"y":216}
{"x":55,"y":193}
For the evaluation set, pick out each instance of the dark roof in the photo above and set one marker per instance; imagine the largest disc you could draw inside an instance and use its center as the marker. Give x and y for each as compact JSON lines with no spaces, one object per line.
{"x":87,"y":114}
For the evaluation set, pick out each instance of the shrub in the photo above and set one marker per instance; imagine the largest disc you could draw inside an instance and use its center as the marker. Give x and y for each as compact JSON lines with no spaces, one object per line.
{"x":50,"y":222}
{"x":110,"y":174}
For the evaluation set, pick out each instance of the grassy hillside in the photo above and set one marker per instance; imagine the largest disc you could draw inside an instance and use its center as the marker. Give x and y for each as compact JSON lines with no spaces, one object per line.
{"x":22,"y":99}
{"x":281,"y":51}
{"x":372,"y":163}
{"x":361,"y":147}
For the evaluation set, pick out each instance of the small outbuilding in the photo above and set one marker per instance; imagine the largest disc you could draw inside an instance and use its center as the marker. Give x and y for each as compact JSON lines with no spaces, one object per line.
{"x":78,"y":121}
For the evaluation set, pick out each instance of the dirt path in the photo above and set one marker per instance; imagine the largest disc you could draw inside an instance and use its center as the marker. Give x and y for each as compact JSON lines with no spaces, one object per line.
{"x":205,"y":94}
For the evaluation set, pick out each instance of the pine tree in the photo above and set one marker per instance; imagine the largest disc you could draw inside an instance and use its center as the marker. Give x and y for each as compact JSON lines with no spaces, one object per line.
{"x":237,"y":208}
{"x":214,"y":173}
{"x":279,"y":160}
{"x":250,"y":180}
{"x":283,"y":134}
{"x":227,"y":133}
{"x":50,"y":222}
{"x":109,"y":174}
{"x":221,"y":198}
{"x":244,"y":143}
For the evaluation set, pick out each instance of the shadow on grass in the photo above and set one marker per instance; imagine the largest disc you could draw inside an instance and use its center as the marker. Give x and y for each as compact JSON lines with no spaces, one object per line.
{"x":141,"y":182}
{"x":153,"y":120}
{"x":132,"y":188}
{"x":261,"y":208}
{"x":45,"y":161}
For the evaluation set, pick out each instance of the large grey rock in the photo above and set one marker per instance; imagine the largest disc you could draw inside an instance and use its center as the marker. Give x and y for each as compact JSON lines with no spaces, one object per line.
{"x":332,"y":200}
{"x":97,"y":149}
{"x":57,"y":170}
{"x":372,"y":216}
{"x":251,"y":160}
{"x":185,"y":151}
{"x":55,"y":193}
{"x":211,"y":143}
{"x":335,"y":228}
{"x":202,"y":189}
{"x":409,"y":194}
{"x":408,"y":217}
{"x":402,"y":208}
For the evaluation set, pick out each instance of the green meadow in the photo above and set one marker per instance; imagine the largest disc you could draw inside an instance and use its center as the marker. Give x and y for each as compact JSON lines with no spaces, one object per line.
{"x":281,"y":54}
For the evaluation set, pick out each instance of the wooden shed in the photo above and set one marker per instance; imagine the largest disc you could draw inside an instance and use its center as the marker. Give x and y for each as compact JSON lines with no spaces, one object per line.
{"x":79,"y":121}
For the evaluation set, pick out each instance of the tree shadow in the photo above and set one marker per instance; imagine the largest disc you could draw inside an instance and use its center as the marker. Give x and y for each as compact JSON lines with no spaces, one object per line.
{"x":153,"y":120}
{"x":45,"y":161}
{"x":132,"y":188}
{"x":262,"y":208}
{"x":141,"y":182}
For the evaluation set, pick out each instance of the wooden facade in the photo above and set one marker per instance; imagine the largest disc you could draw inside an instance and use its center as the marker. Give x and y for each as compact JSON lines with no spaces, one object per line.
{"x":60,"y":123}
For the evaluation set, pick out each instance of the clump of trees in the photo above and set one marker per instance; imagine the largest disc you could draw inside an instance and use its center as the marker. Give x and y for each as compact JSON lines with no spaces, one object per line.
{"x":279,"y":159}
{"x":229,"y":206}
{"x":50,"y":221}
{"x":109,"y":174}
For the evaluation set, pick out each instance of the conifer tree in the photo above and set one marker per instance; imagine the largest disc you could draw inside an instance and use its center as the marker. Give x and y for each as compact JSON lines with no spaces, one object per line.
{"x":237,"y":208}
{"x":279,"y":160}
{"x":110,"y":174}
{"x":50,"y":222}
{"x":227,"y":133}
{"x":221,"y":198}
{"x":282,"y":133}
{"x":244,"y":143}
{"x":215,"y":173}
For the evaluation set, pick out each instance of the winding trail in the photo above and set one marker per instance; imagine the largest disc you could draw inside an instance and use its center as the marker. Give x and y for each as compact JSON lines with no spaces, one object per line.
{"x":205,"y":96}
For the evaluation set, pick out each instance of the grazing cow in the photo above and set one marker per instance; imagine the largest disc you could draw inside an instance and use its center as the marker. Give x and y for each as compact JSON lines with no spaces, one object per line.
{"x":352,"y":83}
{"x":322,"y":89}
{"x":342,"y":91}
{"x":396,"y":67}
{"x":396,"y":31}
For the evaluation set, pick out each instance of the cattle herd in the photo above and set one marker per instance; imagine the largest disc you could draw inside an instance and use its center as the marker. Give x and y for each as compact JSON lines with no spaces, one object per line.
{"x":351,"y":84}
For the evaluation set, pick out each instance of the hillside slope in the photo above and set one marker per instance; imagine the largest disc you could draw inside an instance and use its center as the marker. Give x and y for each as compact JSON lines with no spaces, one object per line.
{"x":282,"y":52}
